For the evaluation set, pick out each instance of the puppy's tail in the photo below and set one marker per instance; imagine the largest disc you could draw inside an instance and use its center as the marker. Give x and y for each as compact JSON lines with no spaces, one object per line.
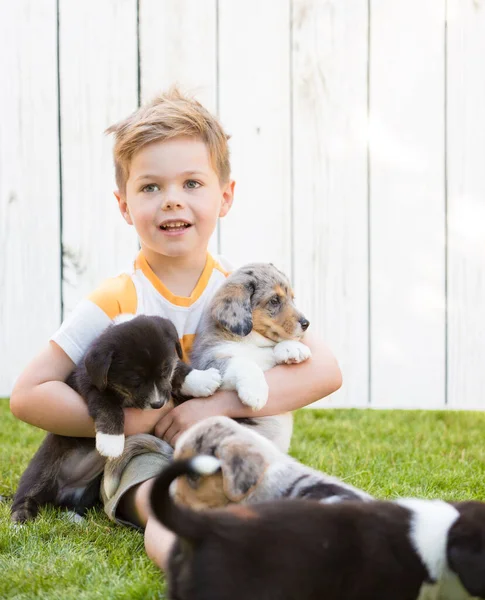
{"x":186,"y":523}
{"x":141,"y":443}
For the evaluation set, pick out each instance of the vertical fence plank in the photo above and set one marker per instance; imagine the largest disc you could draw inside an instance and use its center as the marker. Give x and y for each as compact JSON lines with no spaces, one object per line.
{"x":178,"y":46}
{"x":29,"y":184}
{"x":254,"y":101}
{"x":330,"y":182}
{"x":98,"y":67}
{"x":407,"y":203}
{"x":466,"y":203}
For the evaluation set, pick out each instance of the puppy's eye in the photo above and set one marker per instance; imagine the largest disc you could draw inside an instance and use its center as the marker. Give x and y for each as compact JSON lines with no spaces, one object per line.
{"x":275,"y":300}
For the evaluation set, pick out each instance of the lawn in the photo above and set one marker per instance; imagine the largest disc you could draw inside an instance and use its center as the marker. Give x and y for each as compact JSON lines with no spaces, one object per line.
{"x":388,"y":453}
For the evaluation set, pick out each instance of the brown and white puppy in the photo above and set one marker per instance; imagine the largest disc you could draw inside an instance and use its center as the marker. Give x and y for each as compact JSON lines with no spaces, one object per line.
{"x":133,"y":363}
{"x":252,"y":470}
{"x":290,"y":549}
{"x":251,"y":325}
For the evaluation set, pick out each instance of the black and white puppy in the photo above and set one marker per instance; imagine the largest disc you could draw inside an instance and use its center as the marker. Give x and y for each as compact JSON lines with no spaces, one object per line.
{"x":137,"y":363}
{"x":290,"y":549}
{"x":133,"y":363}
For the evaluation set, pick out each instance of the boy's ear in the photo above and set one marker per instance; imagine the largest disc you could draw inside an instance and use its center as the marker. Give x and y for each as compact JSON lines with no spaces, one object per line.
{"x":123,"y":206}
{"x":227,"y":198}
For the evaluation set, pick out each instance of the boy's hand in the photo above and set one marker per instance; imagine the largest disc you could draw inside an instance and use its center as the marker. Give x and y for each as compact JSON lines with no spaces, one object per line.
{"x":180,"y":418}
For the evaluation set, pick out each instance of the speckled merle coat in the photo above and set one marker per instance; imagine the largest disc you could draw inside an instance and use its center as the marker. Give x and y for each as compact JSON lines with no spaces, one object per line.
{"x":251,"y":325}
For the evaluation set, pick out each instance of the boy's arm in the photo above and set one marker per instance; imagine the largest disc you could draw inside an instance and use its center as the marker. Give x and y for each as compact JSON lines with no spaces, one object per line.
{"x":290,"y":387}
{"x":40,"y":397}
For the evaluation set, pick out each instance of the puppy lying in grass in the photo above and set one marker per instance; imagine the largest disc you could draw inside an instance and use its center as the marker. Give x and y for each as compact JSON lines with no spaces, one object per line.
{"x":305,"y":550}
{"x":134,"y":363}
{"x":252,"y":470}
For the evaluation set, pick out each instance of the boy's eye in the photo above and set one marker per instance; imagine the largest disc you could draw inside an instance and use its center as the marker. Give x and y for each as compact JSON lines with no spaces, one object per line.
{"x":151,"y":187}
{"x":191,"y":184}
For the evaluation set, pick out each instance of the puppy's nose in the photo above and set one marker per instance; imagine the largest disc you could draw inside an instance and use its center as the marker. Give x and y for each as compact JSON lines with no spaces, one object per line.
{"x":157,"y":404}
{"x":304,"y":323}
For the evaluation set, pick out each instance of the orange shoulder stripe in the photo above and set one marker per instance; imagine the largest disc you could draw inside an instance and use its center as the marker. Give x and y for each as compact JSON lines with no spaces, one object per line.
{"x":187,"y":342}
{"x":115,"y":296}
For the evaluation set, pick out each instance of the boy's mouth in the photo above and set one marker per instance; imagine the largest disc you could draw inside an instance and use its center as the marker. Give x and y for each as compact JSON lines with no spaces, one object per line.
{"x":175,"y":225}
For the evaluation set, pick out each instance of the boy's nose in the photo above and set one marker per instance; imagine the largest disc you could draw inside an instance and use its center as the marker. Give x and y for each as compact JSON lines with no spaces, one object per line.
{"x":171,"y":203}
{"x":172,"y":198}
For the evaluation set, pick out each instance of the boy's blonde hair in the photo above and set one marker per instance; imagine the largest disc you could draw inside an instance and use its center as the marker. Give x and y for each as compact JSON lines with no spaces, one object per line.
{"x":168,"y":116}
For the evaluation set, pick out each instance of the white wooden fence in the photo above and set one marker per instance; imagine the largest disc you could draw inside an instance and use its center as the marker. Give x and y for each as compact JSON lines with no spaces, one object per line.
{"x":358,"y":147}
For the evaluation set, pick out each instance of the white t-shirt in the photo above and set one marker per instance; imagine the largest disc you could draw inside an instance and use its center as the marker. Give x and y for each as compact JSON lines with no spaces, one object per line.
{"x":139,"y":292}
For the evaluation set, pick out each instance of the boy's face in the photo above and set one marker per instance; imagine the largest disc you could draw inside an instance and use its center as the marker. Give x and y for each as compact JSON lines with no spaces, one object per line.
{"x":173,"y":197}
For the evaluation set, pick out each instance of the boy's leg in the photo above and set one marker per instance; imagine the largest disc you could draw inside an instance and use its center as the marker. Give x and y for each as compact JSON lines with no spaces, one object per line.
{"x":134,"y":507}
{"x":129,"y":504}
{"x":158,"y":542}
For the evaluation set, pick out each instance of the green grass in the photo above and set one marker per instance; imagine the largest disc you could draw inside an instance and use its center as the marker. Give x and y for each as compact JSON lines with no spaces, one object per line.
{"x":388,"y":453}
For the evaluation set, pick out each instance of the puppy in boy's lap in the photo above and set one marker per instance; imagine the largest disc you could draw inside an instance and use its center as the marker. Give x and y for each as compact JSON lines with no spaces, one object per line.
{"x":136,"y":362}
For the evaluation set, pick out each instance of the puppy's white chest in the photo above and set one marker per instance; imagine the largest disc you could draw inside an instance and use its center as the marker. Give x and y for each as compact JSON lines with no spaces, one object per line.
{"x":263,"y":357}
{"x":248,"y":359}
{"x":249,"y":349}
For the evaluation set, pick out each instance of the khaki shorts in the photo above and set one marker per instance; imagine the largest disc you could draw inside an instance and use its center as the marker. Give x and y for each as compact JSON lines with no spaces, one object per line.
{"x":139,"y":469}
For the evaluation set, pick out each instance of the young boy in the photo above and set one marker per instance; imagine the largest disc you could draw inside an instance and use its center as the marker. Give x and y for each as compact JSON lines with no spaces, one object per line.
{"x":173,"y":177}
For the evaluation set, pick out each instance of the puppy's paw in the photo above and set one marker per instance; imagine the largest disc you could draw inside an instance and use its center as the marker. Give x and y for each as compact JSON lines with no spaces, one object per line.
{"x":253,"y":392}
{"x":291,"y":352}
{"x":201,"y":384}
{"x":73,"y":517}
{"x":108,"y":445}
{"x":22,"y":515}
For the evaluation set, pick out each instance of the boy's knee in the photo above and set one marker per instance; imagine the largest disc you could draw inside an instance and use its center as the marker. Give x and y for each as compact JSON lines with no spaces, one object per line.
{"x":150,"y":543}
{"x":158,"y":543}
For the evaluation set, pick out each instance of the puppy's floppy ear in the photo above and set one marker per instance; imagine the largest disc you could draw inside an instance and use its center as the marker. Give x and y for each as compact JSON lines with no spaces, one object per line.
{"x":466,"y":555}
{"x":97,"y":363}
{"x":178,"y":347}
{"x":232,"y":307}
{"x":172,"y":332}
{"x":242,"y":468}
